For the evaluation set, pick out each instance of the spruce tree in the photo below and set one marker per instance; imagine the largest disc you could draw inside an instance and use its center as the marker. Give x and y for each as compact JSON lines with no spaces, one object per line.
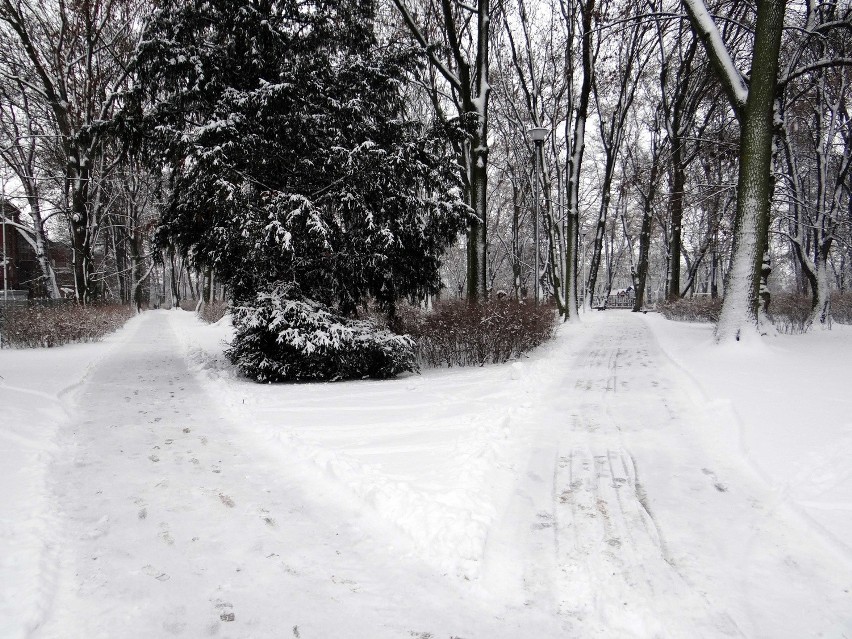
{"x":281,"y":127}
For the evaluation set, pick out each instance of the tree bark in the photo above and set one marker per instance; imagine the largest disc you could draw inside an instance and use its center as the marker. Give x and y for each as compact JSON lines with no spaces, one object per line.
{"x":740,"y":309}
{"x":575,"y":161}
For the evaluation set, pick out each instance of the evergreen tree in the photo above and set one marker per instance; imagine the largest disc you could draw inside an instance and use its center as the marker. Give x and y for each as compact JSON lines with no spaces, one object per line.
{"x":282,"y":129}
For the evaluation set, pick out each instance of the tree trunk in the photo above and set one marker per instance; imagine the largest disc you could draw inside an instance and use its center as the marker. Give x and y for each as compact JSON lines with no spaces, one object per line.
{"x":516,"y":241}
{"x":676,"y":218}
{"x":477,"y":232}
{"x":740,"y":310}
{"x":48,"y":276}
{"x":79,"y":176}
{"x":575,"y":161}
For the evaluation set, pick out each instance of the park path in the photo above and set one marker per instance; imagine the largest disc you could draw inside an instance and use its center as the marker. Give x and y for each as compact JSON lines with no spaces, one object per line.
{"x":627,"y":518}
{"x":638,"y":517}
{"x":174,"y":525}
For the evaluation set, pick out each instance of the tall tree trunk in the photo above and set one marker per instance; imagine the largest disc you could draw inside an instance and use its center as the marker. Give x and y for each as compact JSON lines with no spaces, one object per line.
{"x":740,"y":310}
{"x":477,"y":233}
{"x":676,"y":218}
{"x":42,"y":257}
{"x":645,"y":234}
{"x":575,"y":161}
{"x":469,"y":82}
{"x":79,"y":176}
{"x":516,"y":240}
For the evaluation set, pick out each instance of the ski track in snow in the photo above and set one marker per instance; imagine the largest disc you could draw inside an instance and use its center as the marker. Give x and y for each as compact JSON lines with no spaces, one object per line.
{"x":627,"y":498}
{"x":594,"y":503}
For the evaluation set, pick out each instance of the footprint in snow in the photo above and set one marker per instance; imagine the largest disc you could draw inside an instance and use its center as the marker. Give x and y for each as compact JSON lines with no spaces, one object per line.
{"x":225,"y":499}
{"x":166,"y":536}
{"x":716,"y":483}
{"x":226,"y":612}
{"x":159,"y":575}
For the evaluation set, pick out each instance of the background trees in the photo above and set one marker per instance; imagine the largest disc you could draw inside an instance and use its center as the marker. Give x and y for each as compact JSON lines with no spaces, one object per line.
{"x":345,"y":145}
{"x":64,"y":66}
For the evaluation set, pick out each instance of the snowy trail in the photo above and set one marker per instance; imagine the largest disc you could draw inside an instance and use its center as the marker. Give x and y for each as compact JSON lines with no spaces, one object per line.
{"x":591,"y":491}
{"x":173,"y":526}
{"x":650,"y":526}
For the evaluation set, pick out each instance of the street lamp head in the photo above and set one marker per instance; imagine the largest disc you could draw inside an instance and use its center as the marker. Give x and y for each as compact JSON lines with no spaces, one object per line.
{"x":539,"y":134}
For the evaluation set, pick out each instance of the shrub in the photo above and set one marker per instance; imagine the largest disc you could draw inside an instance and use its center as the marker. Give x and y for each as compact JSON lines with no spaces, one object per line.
{"x":456,"y":333}
{"x":789,"y":312}
{"x":284,"y":336}
{"x":212,"y":312}
{"x":39,"y":325}
{"x":691,"y":309}
{"x":841,"y":307}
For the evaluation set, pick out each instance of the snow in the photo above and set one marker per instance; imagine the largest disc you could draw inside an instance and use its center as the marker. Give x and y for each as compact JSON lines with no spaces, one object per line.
{"x":707,"y":25}
{"x":789,"y":400}
{"x":630,"y":479}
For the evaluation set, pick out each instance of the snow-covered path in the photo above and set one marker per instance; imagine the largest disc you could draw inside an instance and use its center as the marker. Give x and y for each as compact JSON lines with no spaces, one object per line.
{"x":173,"y":526}
{"x":595,"y":491}
{"x":637,"y":515}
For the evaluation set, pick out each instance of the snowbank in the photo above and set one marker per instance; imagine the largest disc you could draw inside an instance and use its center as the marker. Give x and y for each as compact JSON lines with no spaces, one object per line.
{"x":787,"y":398}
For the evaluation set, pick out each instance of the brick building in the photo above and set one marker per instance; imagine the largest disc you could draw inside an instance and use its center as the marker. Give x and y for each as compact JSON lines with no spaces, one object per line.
{"x":22,"y":278}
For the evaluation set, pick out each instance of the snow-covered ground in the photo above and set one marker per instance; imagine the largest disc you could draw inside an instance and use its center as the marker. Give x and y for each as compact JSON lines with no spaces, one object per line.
{"x":630,"y":479}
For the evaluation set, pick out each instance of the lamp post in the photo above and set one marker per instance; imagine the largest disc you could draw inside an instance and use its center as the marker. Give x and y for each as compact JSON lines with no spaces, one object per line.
{"x":5,"y":255}
{"x":539,"y":135}
{"x":583,"y":280}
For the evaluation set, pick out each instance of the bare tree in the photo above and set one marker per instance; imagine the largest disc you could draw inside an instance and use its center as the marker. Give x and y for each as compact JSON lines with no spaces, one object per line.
{"x":754,"y":102}
{"x":615,"y":88}
{"x":816,"y":138}
{"x":21,"y":136}
{"x":458,"y":50}
{"x":72,"y":58}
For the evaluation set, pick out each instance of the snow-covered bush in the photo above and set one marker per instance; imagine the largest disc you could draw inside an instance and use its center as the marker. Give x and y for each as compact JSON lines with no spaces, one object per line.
{"x":460,"y":334}
{"x":841,"y":307}
{"x":790,"y":313}
{"x":284,"y":336}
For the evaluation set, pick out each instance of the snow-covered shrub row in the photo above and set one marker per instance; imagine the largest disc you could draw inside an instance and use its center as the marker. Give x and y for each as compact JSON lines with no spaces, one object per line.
{"x":790,"y":313}
{"x":456,"y":333}
{"x":42,"y":326}
{"x":284,"y":336}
